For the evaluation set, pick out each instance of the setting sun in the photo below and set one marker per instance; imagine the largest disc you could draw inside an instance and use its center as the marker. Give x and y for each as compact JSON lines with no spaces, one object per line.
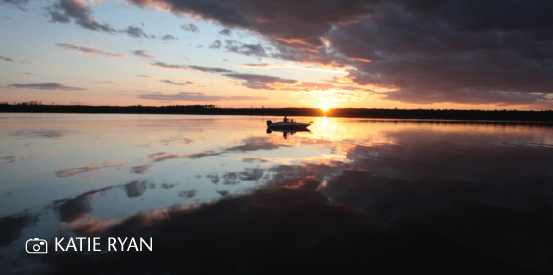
{"x":324,"y":106}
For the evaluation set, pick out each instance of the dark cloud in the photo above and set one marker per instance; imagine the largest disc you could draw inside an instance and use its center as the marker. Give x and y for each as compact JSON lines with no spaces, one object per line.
{"x":176,"y":83}
{"x":65,"y":10}
{"x":216,"y":44}
{"x":48,"y":86}
{"x":88,"y":50}
{"x":168,"y":37}
{"x":5,"y":58}
{"x":239,"y":47}
{"x":189,"y":27}
{"x":276,"y":19}
{"x":449,"y":50}
{"x":225,"y":32}
{"x":449,"y":62}
{"x":142,"y":53}
{"x":189,"y":96}
{"x":185,"y":67}
{"x":255,"y":81}
{"x":19,"y":4}
{"x":136,"y":32}
{"x":210,"y":69}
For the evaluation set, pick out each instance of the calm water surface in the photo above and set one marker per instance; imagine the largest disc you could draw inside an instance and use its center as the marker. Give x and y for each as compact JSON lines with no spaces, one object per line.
{"x":470,"y":193}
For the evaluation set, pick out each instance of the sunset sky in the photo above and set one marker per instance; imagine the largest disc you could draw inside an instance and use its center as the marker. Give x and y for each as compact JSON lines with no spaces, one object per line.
{"x":279,"y":53}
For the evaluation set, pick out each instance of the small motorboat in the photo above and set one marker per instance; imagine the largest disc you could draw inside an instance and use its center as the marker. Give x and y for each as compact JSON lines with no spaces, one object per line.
{"x":288,"y":125}
{"x":287,"y":132}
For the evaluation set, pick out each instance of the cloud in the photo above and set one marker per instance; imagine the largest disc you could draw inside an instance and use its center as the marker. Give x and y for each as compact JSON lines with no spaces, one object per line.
{"x":87,"y":50}
{"x":247,"y":49}
{"x":168,"y":37}
{"x":19,"y":4}
{"x":413,"y":47}
{"x":63,"y":11}
{"x":225,"y":32}
{"x":187,"y":96}
{"x":136,"y":32}
{"x":48,"y":86}
{"x":5,"y":58}
{"x":29,"y":62}
{"x":185,"y":67}
{"x":176,"y":83}
{"x":216,"y":44}
{"x":189,"y":27}
{"x":255,"y":81}
{"x":142,"y":53}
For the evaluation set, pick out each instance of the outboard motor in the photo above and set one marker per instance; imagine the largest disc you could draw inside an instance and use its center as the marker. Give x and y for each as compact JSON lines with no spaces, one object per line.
{"x":269,"y":123}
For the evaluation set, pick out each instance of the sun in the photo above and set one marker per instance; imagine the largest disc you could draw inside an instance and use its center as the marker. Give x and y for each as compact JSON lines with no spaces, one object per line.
{"x":324,"y":106}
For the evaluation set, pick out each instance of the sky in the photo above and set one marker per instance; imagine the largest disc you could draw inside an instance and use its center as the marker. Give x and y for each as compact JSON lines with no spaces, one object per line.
{"x":280,"y":53}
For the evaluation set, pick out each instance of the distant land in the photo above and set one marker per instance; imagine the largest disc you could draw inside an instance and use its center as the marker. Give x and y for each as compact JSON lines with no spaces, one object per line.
{"x":545,"y":116}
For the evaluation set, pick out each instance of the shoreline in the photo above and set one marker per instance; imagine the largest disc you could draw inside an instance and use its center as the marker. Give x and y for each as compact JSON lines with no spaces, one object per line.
{"x":480,"y":116}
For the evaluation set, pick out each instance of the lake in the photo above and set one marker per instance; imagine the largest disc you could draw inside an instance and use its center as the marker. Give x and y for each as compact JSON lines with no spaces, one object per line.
{"x":219,"y":194}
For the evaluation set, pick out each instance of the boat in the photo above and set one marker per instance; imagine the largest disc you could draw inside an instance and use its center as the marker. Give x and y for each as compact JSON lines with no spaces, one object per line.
{"x":287,"y":132}
{"x":288,"y":125}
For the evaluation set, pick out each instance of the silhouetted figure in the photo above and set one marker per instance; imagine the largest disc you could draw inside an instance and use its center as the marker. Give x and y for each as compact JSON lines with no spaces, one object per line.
{"x":285,"y":118}
{"x":285,"y":135}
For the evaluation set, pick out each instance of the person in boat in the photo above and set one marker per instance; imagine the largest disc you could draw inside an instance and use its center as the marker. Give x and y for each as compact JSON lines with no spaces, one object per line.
{"x":285,"y":119}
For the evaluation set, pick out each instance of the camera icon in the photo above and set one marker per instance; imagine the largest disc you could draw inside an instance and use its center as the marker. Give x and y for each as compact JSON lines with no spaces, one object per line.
{"x":36,"y":246}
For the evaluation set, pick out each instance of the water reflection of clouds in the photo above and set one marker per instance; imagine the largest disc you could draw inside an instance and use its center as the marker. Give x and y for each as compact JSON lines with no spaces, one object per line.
{"x":167,"y":142}
{"x":12,"y":226}
{"x":42,"y":133}
{"x":157,"y":157}
{"x":8,"y":159}
{"x":419,"y":194}
{"x":77,"y":209}
{"x":141,"y":169}
{"x":76,"y":172}
{"x":290,"y":224}
{"x":256,"y":143}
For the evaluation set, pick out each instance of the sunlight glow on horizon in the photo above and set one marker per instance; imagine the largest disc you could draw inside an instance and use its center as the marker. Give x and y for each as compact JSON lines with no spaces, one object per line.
{"x":324,"y":106}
